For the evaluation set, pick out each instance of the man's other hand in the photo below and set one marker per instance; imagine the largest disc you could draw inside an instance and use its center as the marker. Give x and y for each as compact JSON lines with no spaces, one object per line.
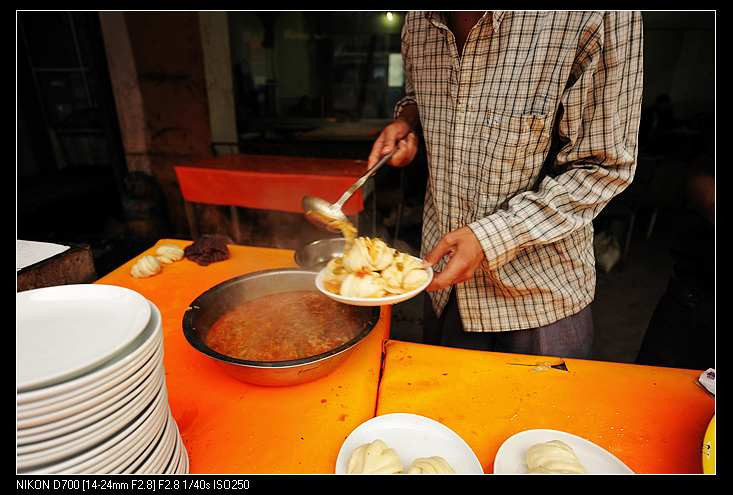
{"x":465,"y":254}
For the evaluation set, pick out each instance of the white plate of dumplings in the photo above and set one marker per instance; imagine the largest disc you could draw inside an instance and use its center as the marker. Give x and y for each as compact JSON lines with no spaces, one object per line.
{"x":405,"y":443}
{"x":548,"y":452}
{"x":373,"y":301}
{"x":371,"y":273}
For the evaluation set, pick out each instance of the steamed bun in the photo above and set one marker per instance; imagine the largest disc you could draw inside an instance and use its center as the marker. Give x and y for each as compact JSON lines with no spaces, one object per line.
{"x":147,"y":266}
{"x":168,"y":254}
{"x":554,"y":457}
{"x":430,"y":465}
{"x":374,"y":458}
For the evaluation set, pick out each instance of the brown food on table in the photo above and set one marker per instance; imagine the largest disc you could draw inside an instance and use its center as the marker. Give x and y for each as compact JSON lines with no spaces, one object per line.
{"x":208,"y":249}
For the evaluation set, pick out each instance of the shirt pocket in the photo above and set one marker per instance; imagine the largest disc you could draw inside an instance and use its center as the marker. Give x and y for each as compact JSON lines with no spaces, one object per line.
{"x":515,"y":147}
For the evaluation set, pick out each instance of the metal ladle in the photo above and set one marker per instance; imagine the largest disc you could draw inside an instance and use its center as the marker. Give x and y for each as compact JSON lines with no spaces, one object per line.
{"x":323,"y":214}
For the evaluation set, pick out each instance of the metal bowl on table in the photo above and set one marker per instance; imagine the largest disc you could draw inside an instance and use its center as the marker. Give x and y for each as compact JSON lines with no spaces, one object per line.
{"x":315,"y":255}
{"x":206,"y":309}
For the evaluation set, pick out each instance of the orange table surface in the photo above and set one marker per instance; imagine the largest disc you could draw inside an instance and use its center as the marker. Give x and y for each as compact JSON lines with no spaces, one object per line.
{"x":232,"y":427}
{"x":653,"y":419}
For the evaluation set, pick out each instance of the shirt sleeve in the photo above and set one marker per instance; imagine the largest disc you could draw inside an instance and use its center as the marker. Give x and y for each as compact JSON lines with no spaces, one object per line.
{"x":409,"y":98}
{"x":596,"y":132}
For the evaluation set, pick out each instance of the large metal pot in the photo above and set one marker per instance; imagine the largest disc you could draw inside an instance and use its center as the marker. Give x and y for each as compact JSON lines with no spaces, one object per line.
{"x":212,"y":304}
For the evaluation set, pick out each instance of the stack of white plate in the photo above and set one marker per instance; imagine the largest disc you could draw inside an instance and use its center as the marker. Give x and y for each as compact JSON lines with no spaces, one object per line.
{"x":91,"y":393}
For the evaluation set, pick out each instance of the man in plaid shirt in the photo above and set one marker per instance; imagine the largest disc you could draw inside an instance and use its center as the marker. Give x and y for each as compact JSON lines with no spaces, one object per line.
{"x":530,"y":122}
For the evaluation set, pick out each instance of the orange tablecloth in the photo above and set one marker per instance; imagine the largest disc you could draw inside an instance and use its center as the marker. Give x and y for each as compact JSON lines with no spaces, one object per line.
{"x":653,"y":419}
{"x":231,"y":427}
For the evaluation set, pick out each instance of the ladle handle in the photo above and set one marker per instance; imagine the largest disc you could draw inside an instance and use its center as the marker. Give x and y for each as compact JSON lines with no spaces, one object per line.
{"x":362,"y":180}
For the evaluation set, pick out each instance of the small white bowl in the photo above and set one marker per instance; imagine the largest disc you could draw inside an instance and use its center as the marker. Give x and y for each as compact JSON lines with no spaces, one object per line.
{"x":511,"y":456}
{"x":411,"y":436}
{"x":372,"y":301}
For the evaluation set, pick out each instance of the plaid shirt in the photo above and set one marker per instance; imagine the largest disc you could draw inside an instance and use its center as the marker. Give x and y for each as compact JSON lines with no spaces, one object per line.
{"x":528,"y":136}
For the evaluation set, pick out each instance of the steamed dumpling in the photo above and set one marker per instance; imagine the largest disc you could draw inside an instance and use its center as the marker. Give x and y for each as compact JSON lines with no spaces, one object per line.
{"x":368,"y":255}
{"x":168,"y":254}
{"x":374,"y":458}
{"x":335,"y":274}
{"x":363,"y":285}
{"x":147,"y":266}
{"x":414,"y":279}
{"x":394,"y":274}
{"x":430,"y":465}
{"x":554,"y":457}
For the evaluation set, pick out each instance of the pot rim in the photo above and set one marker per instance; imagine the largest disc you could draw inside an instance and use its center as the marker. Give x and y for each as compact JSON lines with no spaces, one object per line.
{"x":192,"y":336}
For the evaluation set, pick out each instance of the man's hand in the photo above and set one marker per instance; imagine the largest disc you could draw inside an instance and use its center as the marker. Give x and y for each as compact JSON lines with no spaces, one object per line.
{"x":465,"y":253}
{"x":397,"y":134}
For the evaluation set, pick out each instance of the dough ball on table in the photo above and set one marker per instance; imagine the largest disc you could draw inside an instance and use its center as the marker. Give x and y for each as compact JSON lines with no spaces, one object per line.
{"x":554,"y":457}
{"x":147,"y":266}
{"x":374,"y":458}
{"x":168,"y":254}
{"x":430,"y":465}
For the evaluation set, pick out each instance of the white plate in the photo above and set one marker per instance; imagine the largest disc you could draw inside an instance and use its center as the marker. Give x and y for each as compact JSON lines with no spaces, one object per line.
{"x":132,"y":456}
{"x":52,"y":409}
{"x":162,"y":453}
{"x":28,"y":401}
{"x":64,"y":331}
{"x":153,"y":456}
{"x":172,"y":465}
{"x":84,"y":462}
{"x":150,"y":440}
{"x":511,"y":456}
{"x":411,"y":436}
{"x":107,"y":462}
{"x":114,"y":400}
{"x":372,"y":301}
{"x":67,"y":445}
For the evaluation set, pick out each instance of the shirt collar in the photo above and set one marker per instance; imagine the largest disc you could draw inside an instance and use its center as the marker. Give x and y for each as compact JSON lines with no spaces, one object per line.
{"x":437,"y":18}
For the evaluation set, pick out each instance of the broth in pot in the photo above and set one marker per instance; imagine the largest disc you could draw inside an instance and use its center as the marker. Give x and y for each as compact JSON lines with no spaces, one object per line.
{"x":284,"y":326}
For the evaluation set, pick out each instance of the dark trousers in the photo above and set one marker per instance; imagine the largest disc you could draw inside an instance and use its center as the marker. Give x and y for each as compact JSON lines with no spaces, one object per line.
{"x":681,"y":332}
{"x":571,"y":337}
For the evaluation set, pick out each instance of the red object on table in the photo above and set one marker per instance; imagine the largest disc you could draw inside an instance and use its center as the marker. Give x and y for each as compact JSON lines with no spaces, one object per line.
{"x":270,"y":182}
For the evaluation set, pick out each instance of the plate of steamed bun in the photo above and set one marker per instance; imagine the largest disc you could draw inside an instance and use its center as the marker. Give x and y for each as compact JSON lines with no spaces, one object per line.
{"x":404,"y":443}
{"x":554,"y":452}
{"x":371,"y":273}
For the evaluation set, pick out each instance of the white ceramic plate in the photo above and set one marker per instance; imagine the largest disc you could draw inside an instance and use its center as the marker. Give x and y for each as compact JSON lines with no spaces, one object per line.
{"x":511,"y":456}
{"x":67,"y":445}
{"x":86,"y":461}
{"x":161,"y":440}
{"x":76,"y":416}
{"x":103,"y":462}
{"x":64,"y":331}
{"x":372,"y":301}
{"x":152,"y":436}
{"x":162,"y":453}
{"x":172,"y":466}
{"x":411,"y":436}
{"x":142,"y":345}
{"x":118,"y":457}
